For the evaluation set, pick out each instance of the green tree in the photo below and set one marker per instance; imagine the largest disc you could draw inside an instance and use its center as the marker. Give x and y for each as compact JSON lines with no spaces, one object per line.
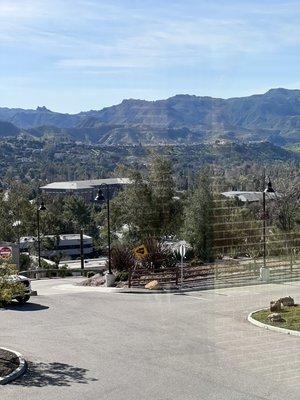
{"x":198,"y":217}
{"x":286,"y":210}
{"x":134,"y":207}
{"x":147,"y":205}
{"x":52,"y":219}
{"x":162,"y":191}
{"x":77,"y":213}
{"x":17,"y":213}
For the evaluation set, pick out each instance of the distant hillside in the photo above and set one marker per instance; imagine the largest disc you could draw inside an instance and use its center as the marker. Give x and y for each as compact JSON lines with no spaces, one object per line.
{"x":39,"y":117}
{"x":294,"y":147}
{"x":8,"y":129}
{"x":237,"y":153}
{"x":273,"y":116}
{"x":225,"y":155}
{"x":27,"y":158}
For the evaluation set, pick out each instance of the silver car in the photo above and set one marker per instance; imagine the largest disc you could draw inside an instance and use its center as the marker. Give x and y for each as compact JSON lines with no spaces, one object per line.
{"x":25,"y":296}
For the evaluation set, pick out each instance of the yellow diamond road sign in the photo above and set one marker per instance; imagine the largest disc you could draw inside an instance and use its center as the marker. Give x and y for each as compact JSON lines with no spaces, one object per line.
{"x":140,"y":252}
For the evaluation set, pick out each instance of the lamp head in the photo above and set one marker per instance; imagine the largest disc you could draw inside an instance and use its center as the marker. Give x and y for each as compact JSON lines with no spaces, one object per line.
{"x":99,"y":197}
{"x":42,"y":207}
{"x":269,"y":188}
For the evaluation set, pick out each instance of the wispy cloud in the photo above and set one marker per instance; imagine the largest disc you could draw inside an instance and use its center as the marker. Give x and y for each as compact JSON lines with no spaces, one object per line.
{"x":95,"y":34}
{"x":149,"y":43}
{"x":87,"y":63}
{"x":19,"y":10}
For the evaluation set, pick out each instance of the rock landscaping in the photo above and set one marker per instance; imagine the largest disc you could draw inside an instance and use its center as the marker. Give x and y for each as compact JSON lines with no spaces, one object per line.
{"x":8,"y":362}
{"x":275,"y":317}
{"x":283,"y":313}
{"x":95,"y":280}
{"x":153,"y":285}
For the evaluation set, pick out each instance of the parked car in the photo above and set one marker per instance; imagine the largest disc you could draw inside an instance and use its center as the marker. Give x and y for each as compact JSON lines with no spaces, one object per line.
{"x":25,"y":295}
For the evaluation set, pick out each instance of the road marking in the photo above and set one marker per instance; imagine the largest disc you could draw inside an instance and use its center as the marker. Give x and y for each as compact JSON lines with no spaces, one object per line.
{"x":195,"y":297}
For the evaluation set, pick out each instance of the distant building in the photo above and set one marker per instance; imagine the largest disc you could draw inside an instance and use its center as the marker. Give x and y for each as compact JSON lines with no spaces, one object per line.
{"x":86,"y":188}
{"x":249,"y":197}
{"x":59,"y":156}
{"x":222,"y":142}
{"x":68,"y":245}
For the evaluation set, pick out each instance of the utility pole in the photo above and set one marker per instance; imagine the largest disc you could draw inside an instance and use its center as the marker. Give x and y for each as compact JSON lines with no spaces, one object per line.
{"x":81,"y":250}
{"x":38,"y":210}
{"x":110,"y":278}
{"x":264,"y":270}
{"x":108,"y":230}
{"x":182,"y":251}
{"x":264,"y":229}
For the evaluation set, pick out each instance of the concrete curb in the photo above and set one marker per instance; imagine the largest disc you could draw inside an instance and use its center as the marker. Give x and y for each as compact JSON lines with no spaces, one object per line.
{"x":144,"y":291}
{"x":17,"y":372}
{"x":209,"y":286}
{"x":105,"y":289}
{"x":271,"y":327}
{"x":185,"y":289}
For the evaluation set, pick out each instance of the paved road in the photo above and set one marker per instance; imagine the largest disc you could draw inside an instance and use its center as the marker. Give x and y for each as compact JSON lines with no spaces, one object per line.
{"x":85,"y":345}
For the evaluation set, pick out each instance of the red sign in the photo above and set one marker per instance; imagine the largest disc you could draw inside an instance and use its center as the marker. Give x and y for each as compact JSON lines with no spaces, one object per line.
{"x":5,"y":252}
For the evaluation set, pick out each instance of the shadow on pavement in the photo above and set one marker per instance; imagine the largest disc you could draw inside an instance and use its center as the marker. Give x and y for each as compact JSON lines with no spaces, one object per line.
{"x":14,"y":306}
{"x":53,"y":374}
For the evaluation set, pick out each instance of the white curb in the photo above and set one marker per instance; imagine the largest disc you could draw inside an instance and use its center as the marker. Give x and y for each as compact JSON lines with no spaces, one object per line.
{"x":270,"y":327}
{"x":17,"y":372}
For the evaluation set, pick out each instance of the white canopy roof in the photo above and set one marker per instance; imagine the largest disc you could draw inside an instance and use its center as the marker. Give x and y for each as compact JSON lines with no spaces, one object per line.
{"x":249,"y":196}
{"x":85,"y":185}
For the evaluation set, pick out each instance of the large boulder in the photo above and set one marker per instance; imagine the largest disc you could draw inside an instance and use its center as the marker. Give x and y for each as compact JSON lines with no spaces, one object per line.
{"x":287,"y":301}
{"x":96,"y":280}
{"x":275,"y":317}
{"x":152,"y":285}
{"x":275,"y":306}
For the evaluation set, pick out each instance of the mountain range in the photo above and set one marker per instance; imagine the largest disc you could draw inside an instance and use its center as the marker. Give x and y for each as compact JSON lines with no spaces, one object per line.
{"x":273,"y":116}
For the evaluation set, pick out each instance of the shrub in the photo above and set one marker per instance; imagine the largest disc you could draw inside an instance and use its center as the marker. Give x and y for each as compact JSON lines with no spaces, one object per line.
{"x":24,"y":262}
{"x":49,"y":269}
{"x":64,"y":271}
{"x":122,"y":258}
{"x":160,"y":255}
{"x":196,"y":262}
{"x":122,"y":276}
{"x":8,"y":288}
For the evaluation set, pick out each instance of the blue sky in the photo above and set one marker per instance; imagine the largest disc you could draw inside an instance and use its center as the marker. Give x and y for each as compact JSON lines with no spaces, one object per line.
{"x":73,"y":55}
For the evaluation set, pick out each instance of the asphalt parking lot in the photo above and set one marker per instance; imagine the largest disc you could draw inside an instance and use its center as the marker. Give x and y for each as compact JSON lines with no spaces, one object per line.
{"x":85,"y":344}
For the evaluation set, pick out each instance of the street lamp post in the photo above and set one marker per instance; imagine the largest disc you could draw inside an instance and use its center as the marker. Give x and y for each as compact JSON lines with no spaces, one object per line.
{"x":100,"y":198}
{"x":264,"y":270}
{"x":17,"y":225}
{"x":39,"y":208}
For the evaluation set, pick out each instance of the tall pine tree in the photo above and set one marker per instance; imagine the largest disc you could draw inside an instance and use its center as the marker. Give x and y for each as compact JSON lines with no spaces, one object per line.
{"x":198,"y":217}
{"x":162,"y":189}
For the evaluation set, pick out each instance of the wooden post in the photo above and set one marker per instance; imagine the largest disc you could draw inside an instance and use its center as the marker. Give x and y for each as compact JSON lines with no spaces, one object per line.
{"x":177,"y":274}
{"x":129,"y":277}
